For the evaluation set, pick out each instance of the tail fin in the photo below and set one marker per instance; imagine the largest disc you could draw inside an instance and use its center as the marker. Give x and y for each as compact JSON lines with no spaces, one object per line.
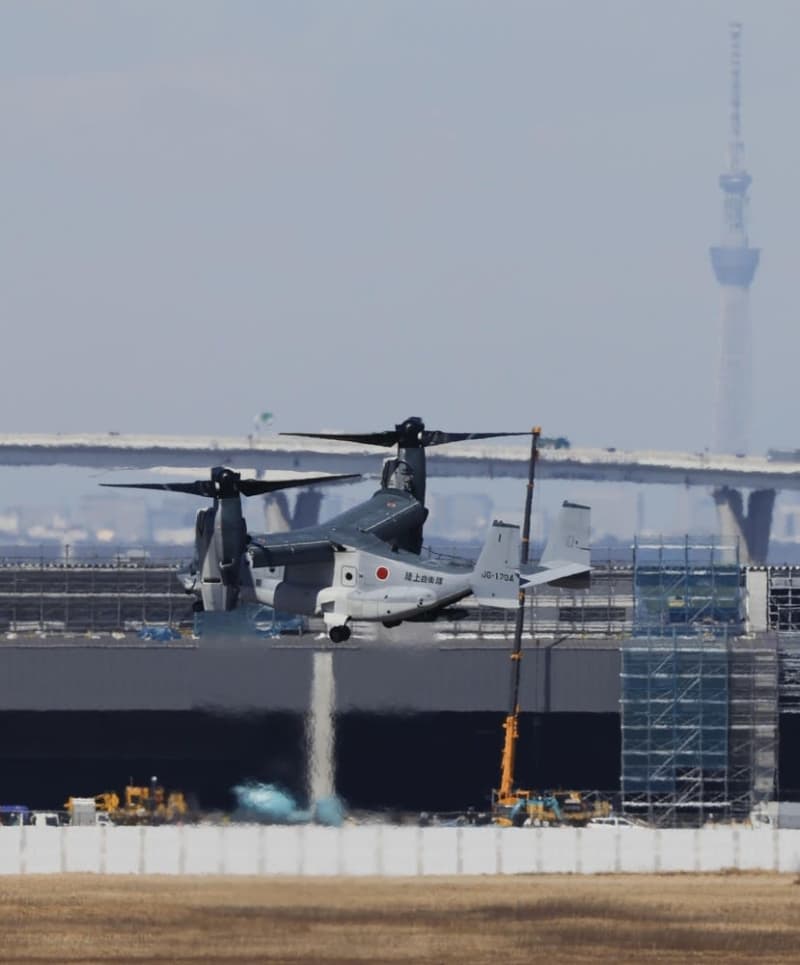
{"x":495,"y":579}
{"x":567,"y":553}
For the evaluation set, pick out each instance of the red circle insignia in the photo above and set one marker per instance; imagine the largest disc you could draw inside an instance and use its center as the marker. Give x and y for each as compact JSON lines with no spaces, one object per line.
{"x":382,"y":573}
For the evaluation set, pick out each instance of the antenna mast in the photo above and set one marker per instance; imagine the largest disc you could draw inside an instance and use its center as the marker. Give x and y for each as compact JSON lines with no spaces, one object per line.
{"x":736,"y":145}
{"x":735,"y":181}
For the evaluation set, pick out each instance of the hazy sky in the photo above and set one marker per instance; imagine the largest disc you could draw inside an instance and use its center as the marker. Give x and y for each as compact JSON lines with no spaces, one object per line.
{"x":485,"y":213}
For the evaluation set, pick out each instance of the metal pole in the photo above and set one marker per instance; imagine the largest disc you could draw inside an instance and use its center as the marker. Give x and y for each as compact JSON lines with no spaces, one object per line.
{"x":524,"y":550}
{"x":510,"y":725}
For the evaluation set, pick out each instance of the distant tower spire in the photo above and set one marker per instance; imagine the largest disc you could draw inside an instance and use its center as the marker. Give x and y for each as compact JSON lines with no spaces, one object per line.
{"x":736,"y":146}
{"x":734,"y":263}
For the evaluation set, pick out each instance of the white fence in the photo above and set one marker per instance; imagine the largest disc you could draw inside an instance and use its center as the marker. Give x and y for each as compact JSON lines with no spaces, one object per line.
{"x":390,"y":851}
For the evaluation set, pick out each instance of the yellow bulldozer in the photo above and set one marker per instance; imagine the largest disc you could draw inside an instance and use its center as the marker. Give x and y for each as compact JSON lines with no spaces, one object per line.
{"x":147,"y":804}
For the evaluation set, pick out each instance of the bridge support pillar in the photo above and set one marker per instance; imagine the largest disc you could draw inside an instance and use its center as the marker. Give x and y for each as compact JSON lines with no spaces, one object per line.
{"x":750,"y":529}
{"x":279,"y":519}
{"x":277,"y":516}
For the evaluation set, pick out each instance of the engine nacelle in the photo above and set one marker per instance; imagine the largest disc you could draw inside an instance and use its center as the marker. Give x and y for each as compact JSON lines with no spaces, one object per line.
{"x":266,"y":580}
{"x":220,"y":540}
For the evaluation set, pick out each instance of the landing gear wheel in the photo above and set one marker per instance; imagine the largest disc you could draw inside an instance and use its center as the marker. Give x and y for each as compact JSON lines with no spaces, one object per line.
{"x":339,"y":634}
{"x":391,"y":624}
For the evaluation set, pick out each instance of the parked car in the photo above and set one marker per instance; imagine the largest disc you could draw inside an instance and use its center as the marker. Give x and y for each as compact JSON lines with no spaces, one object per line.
{"x":45,"y":819}
{"x":614,"y":821}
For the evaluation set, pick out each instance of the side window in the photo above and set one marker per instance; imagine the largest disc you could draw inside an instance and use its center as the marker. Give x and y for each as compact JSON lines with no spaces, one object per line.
{"x":348,"y":576}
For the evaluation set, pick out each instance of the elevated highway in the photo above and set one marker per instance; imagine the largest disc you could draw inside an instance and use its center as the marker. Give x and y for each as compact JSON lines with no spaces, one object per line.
{"x":726,"y":475}
{"x":470,"y":459}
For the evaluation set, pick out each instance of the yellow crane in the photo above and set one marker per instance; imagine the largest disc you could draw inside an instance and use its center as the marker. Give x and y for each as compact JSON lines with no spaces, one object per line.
{"x":506,"y":797}
{"x":510,"y":804}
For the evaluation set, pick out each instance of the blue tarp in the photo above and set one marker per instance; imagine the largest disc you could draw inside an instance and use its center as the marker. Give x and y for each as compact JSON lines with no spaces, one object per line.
{"x":158,"y":633}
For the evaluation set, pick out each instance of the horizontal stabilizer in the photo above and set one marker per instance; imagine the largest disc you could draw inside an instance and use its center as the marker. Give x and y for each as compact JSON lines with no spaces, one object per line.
{"x":567,"y":553}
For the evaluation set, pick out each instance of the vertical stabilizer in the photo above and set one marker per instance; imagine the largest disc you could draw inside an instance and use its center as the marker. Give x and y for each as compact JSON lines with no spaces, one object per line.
{"x":495,"y":580}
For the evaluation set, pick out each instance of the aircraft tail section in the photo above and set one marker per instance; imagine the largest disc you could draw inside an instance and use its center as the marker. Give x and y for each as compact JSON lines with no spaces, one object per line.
{"x":495,"y":580}
{"x":566,"y":556}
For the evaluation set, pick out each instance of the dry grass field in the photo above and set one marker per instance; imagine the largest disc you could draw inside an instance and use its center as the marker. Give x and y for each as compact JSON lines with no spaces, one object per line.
{"x":616,"y":918}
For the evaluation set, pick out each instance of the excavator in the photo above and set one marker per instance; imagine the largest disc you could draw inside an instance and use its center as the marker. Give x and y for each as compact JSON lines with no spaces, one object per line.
{"x":551,"y":808}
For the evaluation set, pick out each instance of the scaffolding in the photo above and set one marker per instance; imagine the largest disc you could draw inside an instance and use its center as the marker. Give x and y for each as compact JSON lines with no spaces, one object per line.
{"x":74,"y":596}
{"x":753,"y":723}
{"x":783,"y":599}
{"x":674,"y":730}
{"x":699,"y":728}
{"x":789,"y":678}
{"x":689,"y":588}
{"x":605,"y":608}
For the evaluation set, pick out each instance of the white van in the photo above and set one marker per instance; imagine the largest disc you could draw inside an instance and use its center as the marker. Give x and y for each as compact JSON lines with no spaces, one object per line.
{"x":614,"y":821}
{"x":45,"y":819}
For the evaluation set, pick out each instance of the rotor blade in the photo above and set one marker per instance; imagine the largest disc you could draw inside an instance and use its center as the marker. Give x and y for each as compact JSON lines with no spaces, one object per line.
{"x":386,"y":439}
{"x":437,"y":438}
{"x":254,"y":487}
{"x":392,"y":437}
{"x":201,"y":487}
{"x":247,"y":487}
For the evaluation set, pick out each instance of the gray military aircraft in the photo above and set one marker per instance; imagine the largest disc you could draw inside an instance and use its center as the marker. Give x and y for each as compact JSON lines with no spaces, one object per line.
{"x":369,"y":581}
{"x":297,"y":572}
{"x":220,"y":530}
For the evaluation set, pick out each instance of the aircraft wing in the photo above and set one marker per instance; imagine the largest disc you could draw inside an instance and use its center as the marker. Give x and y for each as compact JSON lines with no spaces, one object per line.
{"x":305,"y":546}
{"x":284,"y":549}
{"x":369,"y":526}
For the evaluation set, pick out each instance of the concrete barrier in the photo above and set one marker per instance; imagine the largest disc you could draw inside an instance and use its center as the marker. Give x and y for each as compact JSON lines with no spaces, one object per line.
{"x":391,"y":851}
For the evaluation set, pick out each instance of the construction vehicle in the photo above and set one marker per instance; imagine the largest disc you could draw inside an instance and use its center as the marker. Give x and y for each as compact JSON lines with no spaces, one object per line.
{"x":512,"y":806}
{"x":526,"y":807}
{"x":151,"y":805}
{"x":107,"y":802}
{"x":147,"y":804}
{"x":542,"y":810}
{"x":82,"y":811}
{"x":92,"y":810}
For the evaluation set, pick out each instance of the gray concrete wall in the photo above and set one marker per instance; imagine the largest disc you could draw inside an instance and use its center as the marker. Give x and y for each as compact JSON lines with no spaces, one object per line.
{"x":238,"y":677}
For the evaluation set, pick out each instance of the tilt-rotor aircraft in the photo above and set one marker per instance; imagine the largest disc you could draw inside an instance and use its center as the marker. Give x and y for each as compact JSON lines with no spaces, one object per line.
{"x":365,"y":564}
